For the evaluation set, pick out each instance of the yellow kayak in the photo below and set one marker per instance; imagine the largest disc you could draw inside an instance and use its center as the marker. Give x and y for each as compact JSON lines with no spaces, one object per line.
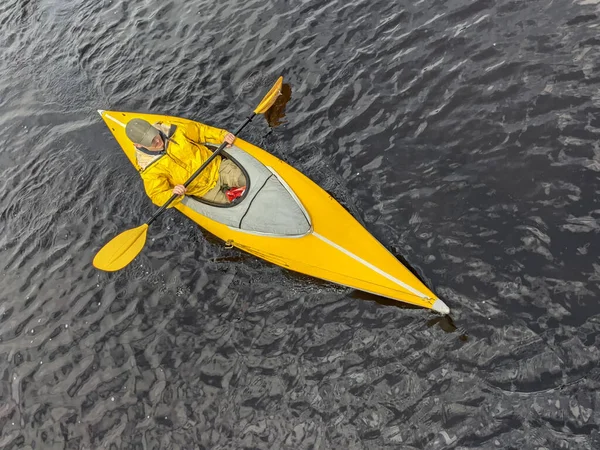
{"x":286,"y":219}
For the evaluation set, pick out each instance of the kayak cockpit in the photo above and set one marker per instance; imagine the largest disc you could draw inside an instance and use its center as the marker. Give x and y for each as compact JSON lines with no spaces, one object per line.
{"x":236,"y":201}
{"x":268,"y":206}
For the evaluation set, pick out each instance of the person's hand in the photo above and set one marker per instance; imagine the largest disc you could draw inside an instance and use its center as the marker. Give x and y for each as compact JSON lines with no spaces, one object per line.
{"x":179,"y":189}
{"x":229,"y":138}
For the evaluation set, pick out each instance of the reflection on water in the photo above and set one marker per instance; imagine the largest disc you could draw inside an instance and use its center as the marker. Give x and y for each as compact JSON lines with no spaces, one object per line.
{"x":276,"y":113}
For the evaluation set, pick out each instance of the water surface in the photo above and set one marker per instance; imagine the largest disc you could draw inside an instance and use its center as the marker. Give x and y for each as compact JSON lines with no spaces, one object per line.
{"x":464,"y":135}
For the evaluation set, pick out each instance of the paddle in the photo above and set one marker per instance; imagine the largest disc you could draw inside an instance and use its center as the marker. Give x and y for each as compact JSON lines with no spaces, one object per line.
{"x":122,"y":249}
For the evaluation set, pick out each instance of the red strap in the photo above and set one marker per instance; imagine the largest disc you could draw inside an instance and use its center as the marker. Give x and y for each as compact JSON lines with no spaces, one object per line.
{"x":234,"y":193}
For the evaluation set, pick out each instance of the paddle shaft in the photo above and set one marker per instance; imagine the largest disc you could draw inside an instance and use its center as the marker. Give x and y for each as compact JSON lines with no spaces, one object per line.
{"x":199,"y":171}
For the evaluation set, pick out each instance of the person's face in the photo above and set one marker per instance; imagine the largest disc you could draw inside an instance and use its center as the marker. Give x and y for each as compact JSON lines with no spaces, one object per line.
{"x":157,"y":144}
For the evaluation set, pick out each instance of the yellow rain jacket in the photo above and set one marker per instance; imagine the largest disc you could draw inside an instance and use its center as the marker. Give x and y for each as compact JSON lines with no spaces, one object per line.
{"x":183,"y":156}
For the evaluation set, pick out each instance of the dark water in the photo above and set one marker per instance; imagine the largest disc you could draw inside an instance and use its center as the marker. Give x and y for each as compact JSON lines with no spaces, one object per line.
{"x":464,"y":134}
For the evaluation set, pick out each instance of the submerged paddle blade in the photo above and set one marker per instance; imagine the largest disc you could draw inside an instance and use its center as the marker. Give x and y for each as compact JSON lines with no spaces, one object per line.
{"x":121,"y":250}
{"x":270,"y":98}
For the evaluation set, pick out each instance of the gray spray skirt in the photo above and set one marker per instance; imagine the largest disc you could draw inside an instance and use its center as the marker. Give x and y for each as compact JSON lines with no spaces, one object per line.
{"x":268,"y":206}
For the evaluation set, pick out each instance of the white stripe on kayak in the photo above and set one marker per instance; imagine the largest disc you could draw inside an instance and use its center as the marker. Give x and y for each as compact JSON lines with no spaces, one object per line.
{"x":114,"y":120}
{"x":372,"y":267}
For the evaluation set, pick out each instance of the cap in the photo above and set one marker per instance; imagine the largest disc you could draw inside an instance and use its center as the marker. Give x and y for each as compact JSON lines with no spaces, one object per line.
{"x":141,"y":132}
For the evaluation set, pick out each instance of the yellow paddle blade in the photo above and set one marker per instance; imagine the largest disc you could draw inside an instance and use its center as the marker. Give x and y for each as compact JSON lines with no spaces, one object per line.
{"x":270,"y":98}
{"x":121,"y":250}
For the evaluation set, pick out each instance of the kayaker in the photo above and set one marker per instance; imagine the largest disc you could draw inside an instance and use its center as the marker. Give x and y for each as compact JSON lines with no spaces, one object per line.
{"x":168,"y":154}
